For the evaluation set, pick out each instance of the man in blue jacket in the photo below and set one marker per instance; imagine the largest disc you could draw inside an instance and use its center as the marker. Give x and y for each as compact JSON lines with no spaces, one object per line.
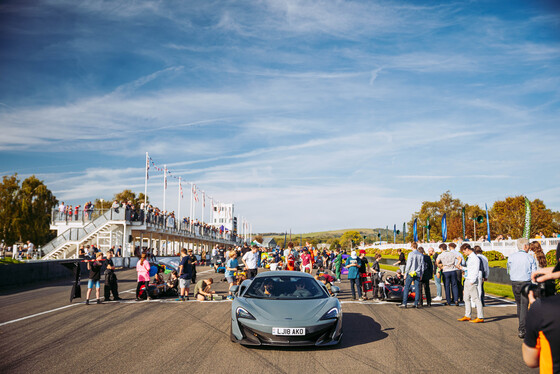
{"x":413,"y":273}
{"x":353,"y":265}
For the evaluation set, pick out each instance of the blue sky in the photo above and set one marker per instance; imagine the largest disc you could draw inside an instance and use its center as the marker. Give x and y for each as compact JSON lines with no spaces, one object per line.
{"x":310,"y":115}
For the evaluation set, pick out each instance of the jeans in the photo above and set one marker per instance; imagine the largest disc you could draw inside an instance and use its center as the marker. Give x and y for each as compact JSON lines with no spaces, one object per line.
{"x":437,"y":280}
{"x":407,"y":283}
{"x":522,"y":303}
{"x":450,"y":282}
{"x":355,"y":282}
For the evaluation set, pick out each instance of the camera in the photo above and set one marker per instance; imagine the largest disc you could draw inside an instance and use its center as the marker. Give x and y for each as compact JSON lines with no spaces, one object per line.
{"x":538,"y":289}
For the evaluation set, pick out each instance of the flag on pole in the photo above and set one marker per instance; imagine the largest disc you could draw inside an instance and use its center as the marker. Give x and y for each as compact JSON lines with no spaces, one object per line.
{"x":415,"y":230}
{"x":147,"y":166}
{"x":181,"y":189}
{"x":395,"y":233}
{"x":203,"y":199}
{"x":165,"y":178}
{"x":444,"y":227}
{"x":487,"y":223}
{"x":527,"y":229}
{"x":463,"y":218}
{"x":195,"y":195}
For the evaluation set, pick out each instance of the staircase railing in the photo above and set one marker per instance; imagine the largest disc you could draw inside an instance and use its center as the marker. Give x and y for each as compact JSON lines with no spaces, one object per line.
{"x":76,"y":234}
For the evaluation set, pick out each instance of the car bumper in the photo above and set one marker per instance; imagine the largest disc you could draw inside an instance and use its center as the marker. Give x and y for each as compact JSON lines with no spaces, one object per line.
{"x":323,"y":334}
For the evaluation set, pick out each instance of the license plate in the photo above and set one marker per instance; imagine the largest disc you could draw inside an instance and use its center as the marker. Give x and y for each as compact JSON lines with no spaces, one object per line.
{"x":289,"y":331}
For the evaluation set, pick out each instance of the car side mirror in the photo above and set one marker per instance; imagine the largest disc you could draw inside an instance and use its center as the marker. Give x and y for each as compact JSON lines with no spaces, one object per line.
{"x":335,"y":290}
{"x":234,"y":289}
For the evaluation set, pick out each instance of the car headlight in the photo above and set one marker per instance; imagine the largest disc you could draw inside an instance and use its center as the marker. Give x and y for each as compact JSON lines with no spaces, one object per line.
{"x":332,"y":313}
{"x":243,"y":313}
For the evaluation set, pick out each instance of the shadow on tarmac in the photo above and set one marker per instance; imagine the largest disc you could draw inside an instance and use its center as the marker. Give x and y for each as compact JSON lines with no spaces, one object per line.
{"x":357,"y":329}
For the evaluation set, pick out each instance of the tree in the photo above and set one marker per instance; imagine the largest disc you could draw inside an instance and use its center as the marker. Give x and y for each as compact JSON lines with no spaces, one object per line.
{"x":25,"y":211}
{"x":348,"y":237}
{"x":334,"y":244}
{"x":434,"y":210}
{"x":507,"y":217}
{"x":128,"y":195}
{"x":258,"y":238}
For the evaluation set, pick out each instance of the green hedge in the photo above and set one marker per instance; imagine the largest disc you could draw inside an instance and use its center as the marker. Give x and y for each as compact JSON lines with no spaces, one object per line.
{"x":493,"y":255}
{"x":551,"y":258}
{"x":386,"y":252}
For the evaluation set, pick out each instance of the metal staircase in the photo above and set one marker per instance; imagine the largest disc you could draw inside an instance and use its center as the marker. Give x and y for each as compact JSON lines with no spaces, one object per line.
{"x":66,"y":244}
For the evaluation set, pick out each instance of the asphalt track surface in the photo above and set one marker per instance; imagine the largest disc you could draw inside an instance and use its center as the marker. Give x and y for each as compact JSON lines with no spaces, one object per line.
{"x":42,"y":332}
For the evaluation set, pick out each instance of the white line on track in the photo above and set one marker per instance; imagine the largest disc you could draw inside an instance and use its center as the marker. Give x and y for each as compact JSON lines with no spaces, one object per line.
{"x":38,"y":314}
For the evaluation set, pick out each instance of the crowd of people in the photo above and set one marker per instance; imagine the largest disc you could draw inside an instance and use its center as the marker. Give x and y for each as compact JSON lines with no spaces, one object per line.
{"x":459,"y":273}
{"x":150,"y":215}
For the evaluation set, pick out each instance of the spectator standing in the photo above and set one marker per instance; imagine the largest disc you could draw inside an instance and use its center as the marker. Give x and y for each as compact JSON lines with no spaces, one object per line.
{"x":426,"y":276}
{"x":520,"y":265}
{"x":437,"y":274}
{"x":401,"y":263}
{"x":375,"y":272}
{"x":231,"y":268}
{"x":111,"y":284}
{"x":143,"y":272}
{"x":413,"y":273}
{"x":190,"y":253}
{"x":94,"y":277}
{"x":471,"y":282}
{"x":185,"y":275}
{"x":250,"y":260}
{"x":447,"y":262}
{"x":353,"y":266}
{"x":483,"y":273}
{"x":30,"y":249}
{"x":363,"y":271}
{"x":540,"y":259}
{"x":306,"y":261}
{"x":458,"y":272}
{"x":337,"y":263}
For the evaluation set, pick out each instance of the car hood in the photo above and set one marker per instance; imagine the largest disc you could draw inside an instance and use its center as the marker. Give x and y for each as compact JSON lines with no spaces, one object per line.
{"x":295,"y":310}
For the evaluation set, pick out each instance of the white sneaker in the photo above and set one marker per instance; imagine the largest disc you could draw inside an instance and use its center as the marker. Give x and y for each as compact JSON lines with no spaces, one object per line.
{"x":437,"y":298}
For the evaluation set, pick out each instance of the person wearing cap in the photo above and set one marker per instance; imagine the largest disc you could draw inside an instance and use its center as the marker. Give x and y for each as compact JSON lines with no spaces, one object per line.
{"x":413,"y":273}
{"x":520,"y":265}
{"x":353,"y":265}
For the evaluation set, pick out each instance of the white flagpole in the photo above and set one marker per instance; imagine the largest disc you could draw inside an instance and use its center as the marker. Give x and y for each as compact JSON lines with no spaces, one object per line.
{"x":191,"y":211}
{"x":179,"y":198}
{"x":146,"y":185}
{"x":164,"y":184}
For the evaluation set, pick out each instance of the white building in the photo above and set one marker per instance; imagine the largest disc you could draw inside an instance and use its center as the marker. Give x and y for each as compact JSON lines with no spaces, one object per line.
{"x":223,"y":215}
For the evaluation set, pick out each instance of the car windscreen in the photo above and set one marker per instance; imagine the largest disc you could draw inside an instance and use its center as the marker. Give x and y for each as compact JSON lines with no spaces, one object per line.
{"x":285,"y":287}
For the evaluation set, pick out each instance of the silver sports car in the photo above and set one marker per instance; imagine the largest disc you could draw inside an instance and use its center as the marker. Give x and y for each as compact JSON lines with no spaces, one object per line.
{"x":285,"y":308}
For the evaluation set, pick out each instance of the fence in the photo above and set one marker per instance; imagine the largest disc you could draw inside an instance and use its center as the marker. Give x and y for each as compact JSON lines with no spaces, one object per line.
{"x":505,"y":247}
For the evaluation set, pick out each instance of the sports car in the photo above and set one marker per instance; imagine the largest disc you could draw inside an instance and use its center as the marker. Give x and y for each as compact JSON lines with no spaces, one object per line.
{"x":285,"y":308}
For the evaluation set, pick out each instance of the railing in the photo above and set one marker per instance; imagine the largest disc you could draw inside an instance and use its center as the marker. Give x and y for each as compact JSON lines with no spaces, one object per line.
{"x":74,"y":234}
{"x":506,"y":247}
{"x":194,"y":230}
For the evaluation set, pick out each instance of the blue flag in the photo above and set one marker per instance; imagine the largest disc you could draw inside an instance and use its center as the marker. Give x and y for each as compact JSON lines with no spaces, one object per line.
{"x":487,"y":222}
{"x":444,"y":227}
{"x":395,"y":234}
{"x":415,"y":230}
